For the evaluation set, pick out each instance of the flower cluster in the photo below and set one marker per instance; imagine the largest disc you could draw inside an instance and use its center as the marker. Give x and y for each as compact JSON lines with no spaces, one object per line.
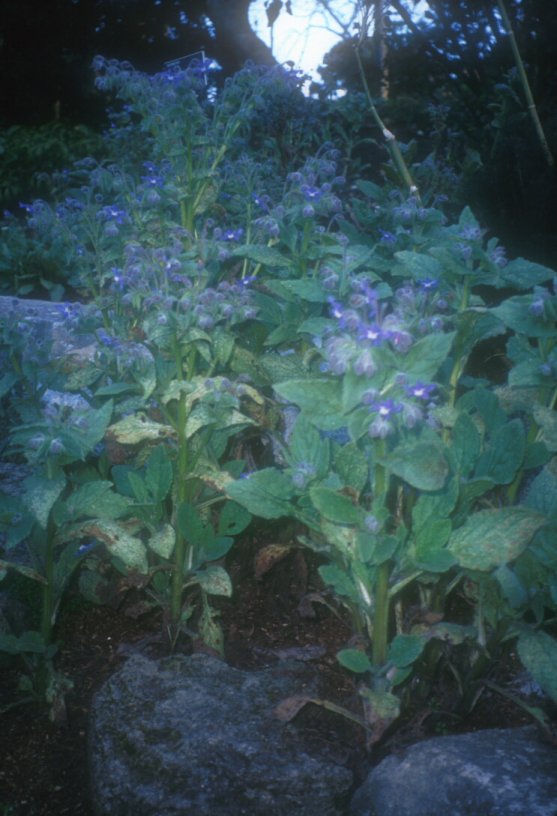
{"x":366,"y":333}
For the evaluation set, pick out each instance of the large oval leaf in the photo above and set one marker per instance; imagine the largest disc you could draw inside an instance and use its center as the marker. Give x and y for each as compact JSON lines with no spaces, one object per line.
{"x":119,"y":542}
{"x":421,"y":464}
{"x":335,"y":506}
{"x":538,"y":653}
{"x":163,"y":540}
{"x":265,"y":493}
{"x":494,"y":537}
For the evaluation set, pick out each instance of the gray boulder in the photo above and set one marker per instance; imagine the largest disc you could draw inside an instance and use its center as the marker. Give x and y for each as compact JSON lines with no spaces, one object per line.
{"x":191,"y":735}
{"x":498,"y":772}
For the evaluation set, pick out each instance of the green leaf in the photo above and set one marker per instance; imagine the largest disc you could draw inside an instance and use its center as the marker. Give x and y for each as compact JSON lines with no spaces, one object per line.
{"x":504,"y":454}
{"x":420,"y":464}
{"x":28,"y":572}
{"x":434,"y":506}
{"x":162,"y":541}
{"x":119,"y":542}
{"x":523,"y":274}
{"x":405,"y":650}
{"x":425,"y":357}
{"x":97,"y":424}
{"x":340,"y":582}
{"x":352,"y":467}
{"x":94,"y":499}
{"x":542,"y":492}
{"x":214,"y":548}
{"x":262,"y":254}
{"x":13,"y":516}
{"x":547,"y":420}
{"x":139,"y":487}
{"x":138,"y":428}
{"x":7,"y":381}
{"x":434,"y":560}
{"x":233,"y":519}
{"x":334,"y":506}
{"x":490,"y":538}
{"x":307,"y":289}
{"x":209,"y":630}
{"x":473,"y":489}
{"x":466,"y":445}
{"x":223,"y":345}
{"x":489,"y":409}
{"x":511,"y":586}
{"x":354,"y":660}
{"x":320,"y":399}
{"x":375,"y":550}
{"x":515,"y":314}
{"x":453,"y":633}
{"x":385,"y":705}
{"x":265,"y":493}
{"x":306,"y":447}
{"x":538,"y":653}
{"x":67,"y":562}
{"x":29,"y":642}
{"x":214,"y":581}
{"x":419,"y":266}
{"x":527,"y":373}
{"x":342,"y":536}
{"x":430,"y":540}
{"x":190,"y":524}
{"x":41,"y":493}
{"x":354,"y":386}
{"x":158,"y":474}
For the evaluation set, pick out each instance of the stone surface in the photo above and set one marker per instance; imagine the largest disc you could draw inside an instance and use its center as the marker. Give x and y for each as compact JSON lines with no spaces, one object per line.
{"x":191,"y":735}
{"x":497,"y":772}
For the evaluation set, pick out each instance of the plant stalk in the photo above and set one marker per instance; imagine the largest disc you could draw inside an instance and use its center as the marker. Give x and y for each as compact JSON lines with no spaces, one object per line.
{"x":532,"y":109}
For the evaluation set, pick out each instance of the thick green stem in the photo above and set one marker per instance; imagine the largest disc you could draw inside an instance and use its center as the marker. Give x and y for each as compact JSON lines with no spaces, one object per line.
{"x":381,"y":615}
{"x":389,"y":137}
{"x":180,"y":496}
{"x":47,"y":612}
{"x":381,"y":594}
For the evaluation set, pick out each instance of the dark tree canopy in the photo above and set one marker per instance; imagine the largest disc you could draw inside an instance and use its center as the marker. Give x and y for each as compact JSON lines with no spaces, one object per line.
{"x":46,"y":47}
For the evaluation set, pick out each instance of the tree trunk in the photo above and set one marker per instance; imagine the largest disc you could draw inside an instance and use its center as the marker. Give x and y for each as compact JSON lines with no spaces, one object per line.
{"x":236,"y":42}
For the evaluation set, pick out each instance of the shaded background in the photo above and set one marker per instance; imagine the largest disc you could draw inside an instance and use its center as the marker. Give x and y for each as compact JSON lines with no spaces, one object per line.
{"x":453,"y":89}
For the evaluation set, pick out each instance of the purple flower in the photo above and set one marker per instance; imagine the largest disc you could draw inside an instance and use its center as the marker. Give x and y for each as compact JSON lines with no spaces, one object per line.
{"x":497,"y":256}
{"x":364,"y":364}
{"x":536,"y":308}
{"x":232,"y":235}
{"x":303,"y":473}
{"x":412,"y":414}
{"x":56,"y":447}
{"x":106,"y":338}
{"x":113,"y":214}
{"x":372,"y":524}
{"x":152,"y":177}
{"x":387,"y":408}
{"x":336,"y":308}
{"x":311,"y":193}
{"x":387,"y":237}
{"x":420,"y":390}
{"x":428,"y":284}
{"x":401,"y":340}
{"x":380,"y":428}
{"x":471,"y":233}
{"x":374,"y":334}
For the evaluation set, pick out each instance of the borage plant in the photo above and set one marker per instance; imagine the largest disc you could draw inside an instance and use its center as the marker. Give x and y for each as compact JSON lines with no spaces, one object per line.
{"x":406,"y":470}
